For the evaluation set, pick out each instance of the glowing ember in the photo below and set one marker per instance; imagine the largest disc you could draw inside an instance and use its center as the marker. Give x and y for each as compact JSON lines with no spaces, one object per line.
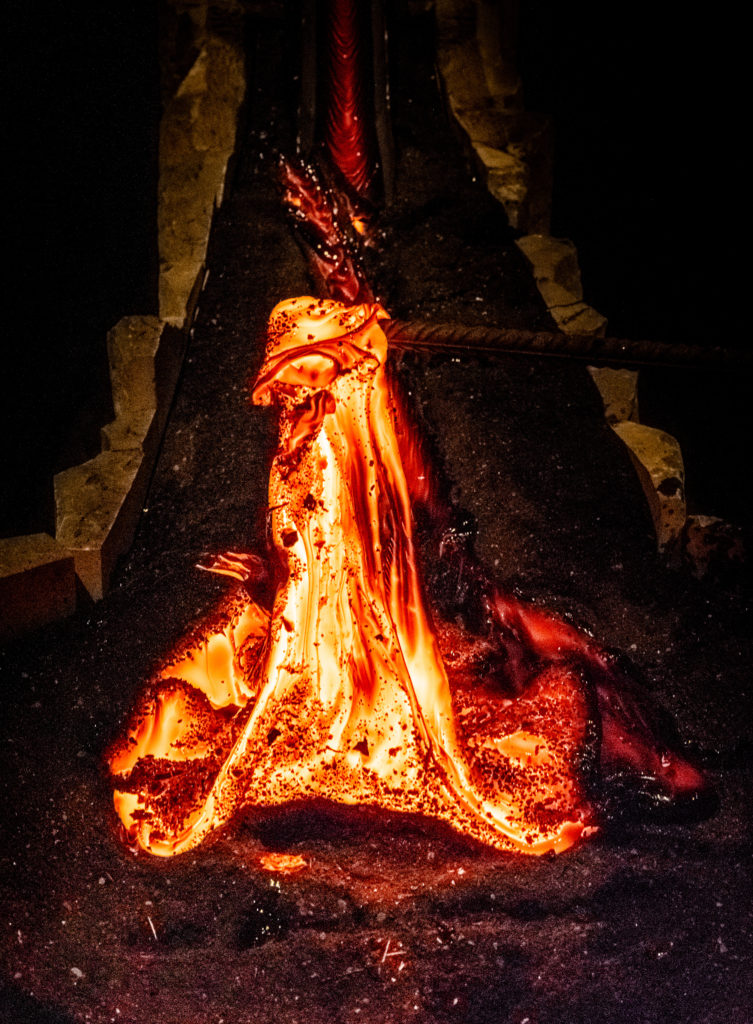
{"x":342,"y":692}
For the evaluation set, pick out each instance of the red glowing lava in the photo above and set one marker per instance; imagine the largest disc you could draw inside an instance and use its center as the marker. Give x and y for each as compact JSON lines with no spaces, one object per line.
{"x":324,"y":221}
{"x":342,"y":691}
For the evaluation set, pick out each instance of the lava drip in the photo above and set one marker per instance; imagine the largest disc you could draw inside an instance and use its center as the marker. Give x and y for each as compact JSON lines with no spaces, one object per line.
{"x":638,"y":765}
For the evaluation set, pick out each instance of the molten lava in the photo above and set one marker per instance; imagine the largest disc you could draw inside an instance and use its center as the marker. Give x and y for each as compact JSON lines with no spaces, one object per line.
{"x":325,"y":220}
{"x":345,"y":690}
{"x":341,"y":692}
{"x":349,"y":132}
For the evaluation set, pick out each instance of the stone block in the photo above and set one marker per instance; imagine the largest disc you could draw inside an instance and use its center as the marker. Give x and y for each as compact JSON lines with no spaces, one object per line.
{"x":712,"y":546}
{"x":619,"y":393}
{"x":132,"y":347}
{"x":658,"y":462}
{"x":167,"y":366}
{"x":476,"y":50}
{"x":511,"y":149}
{"x":37,"y":583}
{"x":579,"y":318}
{"x":532,"y":143}
{"x":496,"y":35}
{"x":554,"y":262}
{"x":197,"y":140}
{"x":97,"y":509}
{"x":195,"y":82}
{"x":459,"y":59}
{"x":479,"y":122}
{"x":179,"y":289}
{"x":145,"y":356}
{"x":134,"y":433}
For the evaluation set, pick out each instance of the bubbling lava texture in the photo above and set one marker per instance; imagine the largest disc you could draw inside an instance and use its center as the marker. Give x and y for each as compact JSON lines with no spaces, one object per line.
{"x":346,"y":689}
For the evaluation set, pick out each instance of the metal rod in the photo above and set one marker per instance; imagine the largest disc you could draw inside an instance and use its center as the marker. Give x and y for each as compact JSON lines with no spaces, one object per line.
{"x":430,"y":337}
{"x":382,"y":119}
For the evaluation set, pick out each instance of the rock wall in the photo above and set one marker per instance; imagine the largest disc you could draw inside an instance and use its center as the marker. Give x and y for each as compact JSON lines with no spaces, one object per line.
{"x":98,"y":503}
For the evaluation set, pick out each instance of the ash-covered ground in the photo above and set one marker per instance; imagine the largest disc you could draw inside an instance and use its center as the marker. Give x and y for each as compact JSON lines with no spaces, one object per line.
{"x":391,"y":919}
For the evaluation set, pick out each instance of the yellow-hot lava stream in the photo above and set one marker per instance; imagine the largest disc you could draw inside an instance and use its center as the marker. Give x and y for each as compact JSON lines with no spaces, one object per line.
{"x":341,"y":692}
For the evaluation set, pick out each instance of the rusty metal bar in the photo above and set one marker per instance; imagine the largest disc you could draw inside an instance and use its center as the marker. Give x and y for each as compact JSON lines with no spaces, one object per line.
{"x":430,"y":337}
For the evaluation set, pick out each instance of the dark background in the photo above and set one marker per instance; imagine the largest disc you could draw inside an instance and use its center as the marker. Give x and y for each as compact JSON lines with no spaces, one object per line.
{"x":646,"y":107}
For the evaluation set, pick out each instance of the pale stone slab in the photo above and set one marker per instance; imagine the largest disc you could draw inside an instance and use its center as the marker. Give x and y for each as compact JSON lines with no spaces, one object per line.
{"x":37,"y":583}
{"x":459,"y":56}
{"x":619,"y":392}
{"x":579,"y":318}
{"x":506,"y":177}
{"x":195,"y":82}
{"x":97,"y":509}
{"x":657,"y":458}
{"x":132,"y":347}
{"x":179,"y":289}
{"x":554,"y":262}
{"x":496,"y":24}
{"x":145,"y":355}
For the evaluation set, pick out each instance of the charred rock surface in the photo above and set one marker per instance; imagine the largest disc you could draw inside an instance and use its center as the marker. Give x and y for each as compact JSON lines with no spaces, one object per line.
{"x":388,"y":918}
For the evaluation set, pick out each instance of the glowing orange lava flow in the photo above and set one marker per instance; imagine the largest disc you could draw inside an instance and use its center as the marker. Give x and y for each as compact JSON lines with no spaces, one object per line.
{"x":341,"y":692}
